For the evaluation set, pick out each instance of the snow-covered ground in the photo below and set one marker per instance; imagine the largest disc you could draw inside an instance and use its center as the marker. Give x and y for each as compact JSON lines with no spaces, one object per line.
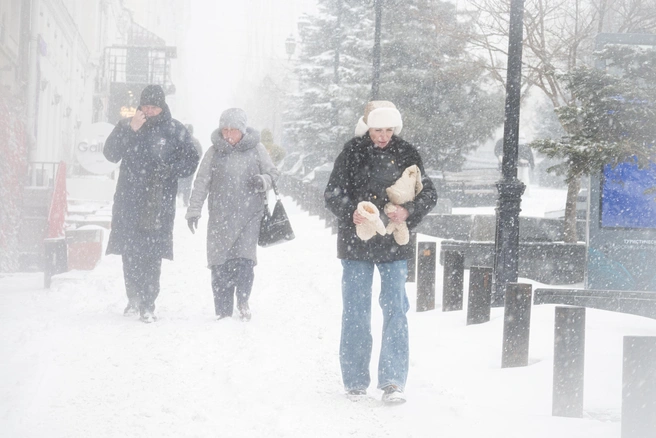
{"x":72,"y":366}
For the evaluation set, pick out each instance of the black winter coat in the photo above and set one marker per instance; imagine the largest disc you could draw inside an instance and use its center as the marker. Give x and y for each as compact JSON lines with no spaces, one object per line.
{"x":152,"y":160}
{"x":362,"y":172}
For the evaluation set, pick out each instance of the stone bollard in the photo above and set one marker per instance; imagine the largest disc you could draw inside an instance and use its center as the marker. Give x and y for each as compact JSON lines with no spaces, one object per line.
{"x":480,"y":294}
{"x":316,"y":201}
{"x":426,"y":260}
{"x":452,"y":289}
{"x":569,"y":360}
{"x":306,"y":196}
{"x":516,"y":325}
{"x":639,"y":387}
{"x":295,"y":190}
{"x":412,"y":261}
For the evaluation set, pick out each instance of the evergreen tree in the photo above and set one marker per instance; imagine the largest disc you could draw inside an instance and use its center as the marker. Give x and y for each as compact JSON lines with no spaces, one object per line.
{"x":441,"y":92}
{"x":334,"y":77}
{"x":611,"y":119}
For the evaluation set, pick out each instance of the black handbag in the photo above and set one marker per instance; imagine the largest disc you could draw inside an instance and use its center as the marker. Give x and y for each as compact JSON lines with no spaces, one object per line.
{"x":275,"y":226}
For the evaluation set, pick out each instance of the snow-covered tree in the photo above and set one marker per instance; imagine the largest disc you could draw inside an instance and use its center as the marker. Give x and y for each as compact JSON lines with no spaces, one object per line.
{"x":441,"y":93}
{"x":610,"y":119}
{"x":334,"y":77}
{"x":559,"y":35}
{"x":559,"y":38}
{"x":446,"y":101}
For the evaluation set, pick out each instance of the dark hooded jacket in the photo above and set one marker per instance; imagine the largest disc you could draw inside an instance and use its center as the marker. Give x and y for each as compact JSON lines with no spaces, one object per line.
{"x":152,"y":160}
{"x":362,"y":172}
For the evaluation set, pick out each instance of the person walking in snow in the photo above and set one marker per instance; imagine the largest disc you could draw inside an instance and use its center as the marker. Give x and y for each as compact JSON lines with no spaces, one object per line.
{"x":184,"y":184}
{"x":356,"y":193}
{"x":235,"y":174}
{"x":154,"y":150}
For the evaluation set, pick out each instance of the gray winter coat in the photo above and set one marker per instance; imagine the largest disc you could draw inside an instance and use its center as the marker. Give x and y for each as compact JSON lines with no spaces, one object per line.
{"x":235,"y":209}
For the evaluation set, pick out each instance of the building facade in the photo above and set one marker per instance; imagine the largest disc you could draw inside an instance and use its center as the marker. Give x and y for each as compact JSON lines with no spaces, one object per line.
{"x":55,"y":66}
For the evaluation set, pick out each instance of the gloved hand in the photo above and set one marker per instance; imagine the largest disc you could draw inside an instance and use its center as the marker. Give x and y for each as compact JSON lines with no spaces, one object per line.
{"x":192,"y":223}
{"x":256,"y":183}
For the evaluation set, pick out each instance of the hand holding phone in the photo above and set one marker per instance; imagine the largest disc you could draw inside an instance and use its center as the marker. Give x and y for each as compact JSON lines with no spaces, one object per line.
{"x":138,"y":120}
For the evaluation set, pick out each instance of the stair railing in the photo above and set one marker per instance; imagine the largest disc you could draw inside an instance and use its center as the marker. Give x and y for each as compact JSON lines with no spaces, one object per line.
{"x":58,"y":204}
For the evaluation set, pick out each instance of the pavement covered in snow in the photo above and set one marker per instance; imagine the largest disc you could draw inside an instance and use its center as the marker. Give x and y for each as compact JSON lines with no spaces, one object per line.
{"x":73,"y":366}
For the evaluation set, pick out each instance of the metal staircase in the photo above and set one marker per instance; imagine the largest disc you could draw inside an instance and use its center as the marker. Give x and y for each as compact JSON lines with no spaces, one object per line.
{"x":42,"y":213}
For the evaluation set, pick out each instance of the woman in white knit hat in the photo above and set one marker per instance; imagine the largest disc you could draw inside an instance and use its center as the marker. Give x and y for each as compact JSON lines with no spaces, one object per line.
{"x":371,"y":162}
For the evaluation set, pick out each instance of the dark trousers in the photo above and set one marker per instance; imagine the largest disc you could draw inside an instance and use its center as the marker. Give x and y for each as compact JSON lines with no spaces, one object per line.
{"x":141,"y":274}
{"x":234,"y":277}
{"x":184,"y":189}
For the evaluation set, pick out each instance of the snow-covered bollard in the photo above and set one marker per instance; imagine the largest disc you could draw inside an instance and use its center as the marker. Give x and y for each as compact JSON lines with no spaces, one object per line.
{"x":480,"y":295}
{"x":426,"y":260}
{"x":412,"y":261}
{"x":639,"y":387}
{"x":516,"y":325}
{"x":452,"y":289}
{"x":569,"y":359}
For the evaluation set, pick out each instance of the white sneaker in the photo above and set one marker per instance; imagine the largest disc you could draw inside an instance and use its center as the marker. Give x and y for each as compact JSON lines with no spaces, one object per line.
{"x":393,"y":395}
{"x":356,"y":394}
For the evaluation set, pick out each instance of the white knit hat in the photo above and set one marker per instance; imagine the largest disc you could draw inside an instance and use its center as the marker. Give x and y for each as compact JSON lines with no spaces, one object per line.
{"x":379,"y":114}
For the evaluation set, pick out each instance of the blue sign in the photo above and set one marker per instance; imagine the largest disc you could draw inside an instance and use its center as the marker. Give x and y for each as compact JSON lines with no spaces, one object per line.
{"x":622,"y":229}
{"x":628,"y":197}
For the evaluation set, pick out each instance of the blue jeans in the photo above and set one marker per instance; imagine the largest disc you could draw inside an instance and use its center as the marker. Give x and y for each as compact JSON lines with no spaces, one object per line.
{"x":356,"y":341}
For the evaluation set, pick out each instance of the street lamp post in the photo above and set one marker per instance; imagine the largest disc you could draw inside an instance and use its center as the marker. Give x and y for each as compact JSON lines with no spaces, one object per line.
{"x":290,"y":46}
{"x":375,"y":83}
{"x":509,"y":187}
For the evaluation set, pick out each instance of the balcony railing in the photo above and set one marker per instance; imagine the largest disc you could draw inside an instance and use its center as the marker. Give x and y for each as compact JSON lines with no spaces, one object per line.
{"x":41,"y":173}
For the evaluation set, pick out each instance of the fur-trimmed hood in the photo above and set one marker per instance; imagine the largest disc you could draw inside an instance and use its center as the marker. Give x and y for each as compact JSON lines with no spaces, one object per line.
{"x":250,"y":139}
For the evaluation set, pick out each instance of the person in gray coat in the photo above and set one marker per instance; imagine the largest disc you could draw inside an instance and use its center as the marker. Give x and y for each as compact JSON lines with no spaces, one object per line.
{"x":235,"y":174}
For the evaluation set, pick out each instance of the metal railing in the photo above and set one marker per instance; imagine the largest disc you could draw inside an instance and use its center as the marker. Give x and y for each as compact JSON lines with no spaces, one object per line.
{"x":41,"y":173}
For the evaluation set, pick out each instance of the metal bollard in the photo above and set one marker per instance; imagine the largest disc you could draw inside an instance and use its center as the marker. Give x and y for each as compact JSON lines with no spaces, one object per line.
{"x":639,"y":387}
{"x":306,"y":196}
{"x":56,"y":259}
{"x":412,"y":261}
{"x":452,"y":289}
{"x":516,"y":325}
{"x":480,"y":294}
{"x":426,"y":260}
{"x":569,"y":360}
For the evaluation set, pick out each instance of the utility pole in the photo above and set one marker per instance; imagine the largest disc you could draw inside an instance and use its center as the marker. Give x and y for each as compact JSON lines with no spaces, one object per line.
{"x":32,"y":76}
{"x":337,"y":43}
{"x":510,"y":189}
{"x":375,"y":83}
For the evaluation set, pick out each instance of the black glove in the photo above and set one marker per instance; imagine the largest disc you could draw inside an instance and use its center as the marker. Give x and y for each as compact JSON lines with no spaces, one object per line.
{"x":192,"y":223}
{"x":256,"y":183}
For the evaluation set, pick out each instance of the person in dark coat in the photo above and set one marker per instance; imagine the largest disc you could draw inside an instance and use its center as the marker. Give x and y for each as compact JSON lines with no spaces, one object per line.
{"x":370,"y":163}
{"x":154,"y":150}
{"x":524,"y":153}
{"x":234,"y":176}
{"x":184,"y":184}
